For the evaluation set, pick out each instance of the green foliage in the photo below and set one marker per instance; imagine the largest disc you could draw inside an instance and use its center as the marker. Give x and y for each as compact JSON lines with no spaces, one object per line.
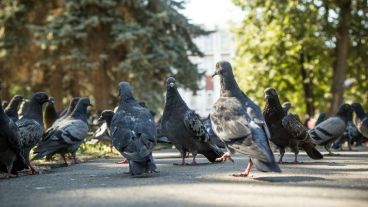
{"x":277,"y":39}
{"x":80,"y":41}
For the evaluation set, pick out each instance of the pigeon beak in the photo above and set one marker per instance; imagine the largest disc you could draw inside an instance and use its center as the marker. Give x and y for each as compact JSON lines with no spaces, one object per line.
{"x":171,"y":84}
{"x":51,"y":101}
{"x":100,"y":118}
{"x":91,"y":105}
{"x":214,"y":74}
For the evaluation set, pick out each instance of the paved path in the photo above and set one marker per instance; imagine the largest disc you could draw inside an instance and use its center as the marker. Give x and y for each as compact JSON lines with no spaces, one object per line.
{"x":333,"y":181}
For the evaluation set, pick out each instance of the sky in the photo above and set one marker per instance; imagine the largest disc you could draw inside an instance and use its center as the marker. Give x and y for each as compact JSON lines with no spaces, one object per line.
{"x":212,"y":13}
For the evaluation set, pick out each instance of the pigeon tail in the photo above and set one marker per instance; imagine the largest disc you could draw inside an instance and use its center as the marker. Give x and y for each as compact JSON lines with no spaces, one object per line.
{"x":311,"y":151}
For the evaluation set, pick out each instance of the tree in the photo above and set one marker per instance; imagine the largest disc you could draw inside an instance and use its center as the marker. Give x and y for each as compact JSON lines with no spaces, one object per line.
{"x":293,"y":46}
{"x":108,"y":41}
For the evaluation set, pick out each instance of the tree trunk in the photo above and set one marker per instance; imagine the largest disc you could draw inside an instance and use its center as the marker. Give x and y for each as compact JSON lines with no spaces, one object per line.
{"x":341,"y":54}
{"x":101,"y":87}
{"x":307,"y":87}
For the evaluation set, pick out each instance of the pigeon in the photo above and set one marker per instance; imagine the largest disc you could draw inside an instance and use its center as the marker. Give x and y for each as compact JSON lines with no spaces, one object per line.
{"x":350,"y":135}
{"x":286,"y":130}
{"x":184,"y":128}
{"x":133,"y":133}
{"x":326,"y":132}
{"x":361,"y":119}
{"x":12,"y":109}
{"x":31,"y":126}
{"x":10,"y":147}
{"x":67,"y":135}
{"x":240,"y":124}
{"x":49,"y":115}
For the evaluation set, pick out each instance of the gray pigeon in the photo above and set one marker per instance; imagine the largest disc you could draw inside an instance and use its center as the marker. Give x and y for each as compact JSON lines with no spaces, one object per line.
{"x":184,"y":128}
{"x":239,"y":122}
{"x":67,"y":135}
{"x":49,"y":115}
{"x":12,"y":109}
{"x":10,"y":148}
{"x":328,"y":131}
{"x":361,"y":119}
{"x":286,"y":130}
{"x":31,"y":125}
{"x":133,"y":132}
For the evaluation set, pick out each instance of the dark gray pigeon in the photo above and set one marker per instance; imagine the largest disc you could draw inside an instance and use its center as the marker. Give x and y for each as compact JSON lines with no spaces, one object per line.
{"x":286,"y":106}
{"x":184,"y":128}
{"x":286,"y":130}
{"x":10,"y":147}
{"x":328,"y":131}
{"x":12,"y":109}
{"x":31,"y":125}
{"x":67,"y":135}
{"x":239,"y":122}
{"x":350,"y":135}
{"x":133,"y":132}
{"x":49,"y":115}
{"x":361,"y":119}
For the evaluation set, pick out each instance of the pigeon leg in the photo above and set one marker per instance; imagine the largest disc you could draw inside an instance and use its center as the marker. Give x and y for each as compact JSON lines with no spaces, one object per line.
{"x":8,"y":173}
{"x":296,"y":158}
{"x":282,"y":153}
{"x":76,"y":159}
{"x":246,"y":171}
{"x":225,"y":157}
{"x":65,"y":162}
{"x":33,"y":170}
{"x":183,"y":155}
{"x":330,"y":153}
{"x":194,"y":161}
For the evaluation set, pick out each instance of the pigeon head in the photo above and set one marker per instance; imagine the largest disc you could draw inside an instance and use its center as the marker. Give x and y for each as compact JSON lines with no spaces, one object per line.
{"x":125,"y":91}
{"x":15,"y":102}
{"x":287,"y":105}
{"x":223,"y":69}
{"x":80,"y":110}
{"x":170,"y":83}
{"x":107,"y":116}
{"x":345,"y":111}
{"x":271,"y":93}
{"x":358,"y":108}
{"x":84,"y":102}
{"x":40,"y":98}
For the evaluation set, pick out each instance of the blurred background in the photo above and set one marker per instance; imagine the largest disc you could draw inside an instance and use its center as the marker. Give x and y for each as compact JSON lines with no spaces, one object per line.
{"x":314,"y":52}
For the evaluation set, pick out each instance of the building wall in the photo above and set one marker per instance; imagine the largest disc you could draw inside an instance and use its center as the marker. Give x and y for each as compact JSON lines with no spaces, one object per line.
{"x":216,"y":46}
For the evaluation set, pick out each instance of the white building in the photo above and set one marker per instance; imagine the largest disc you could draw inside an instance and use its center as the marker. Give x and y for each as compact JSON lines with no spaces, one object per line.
{"x":216,"y":46}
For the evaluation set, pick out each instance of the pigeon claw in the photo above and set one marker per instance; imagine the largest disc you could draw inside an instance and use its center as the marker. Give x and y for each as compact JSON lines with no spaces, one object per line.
{"x":225,"y":157}
{"x":124,"y":161}
{"x":243,"y":174}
